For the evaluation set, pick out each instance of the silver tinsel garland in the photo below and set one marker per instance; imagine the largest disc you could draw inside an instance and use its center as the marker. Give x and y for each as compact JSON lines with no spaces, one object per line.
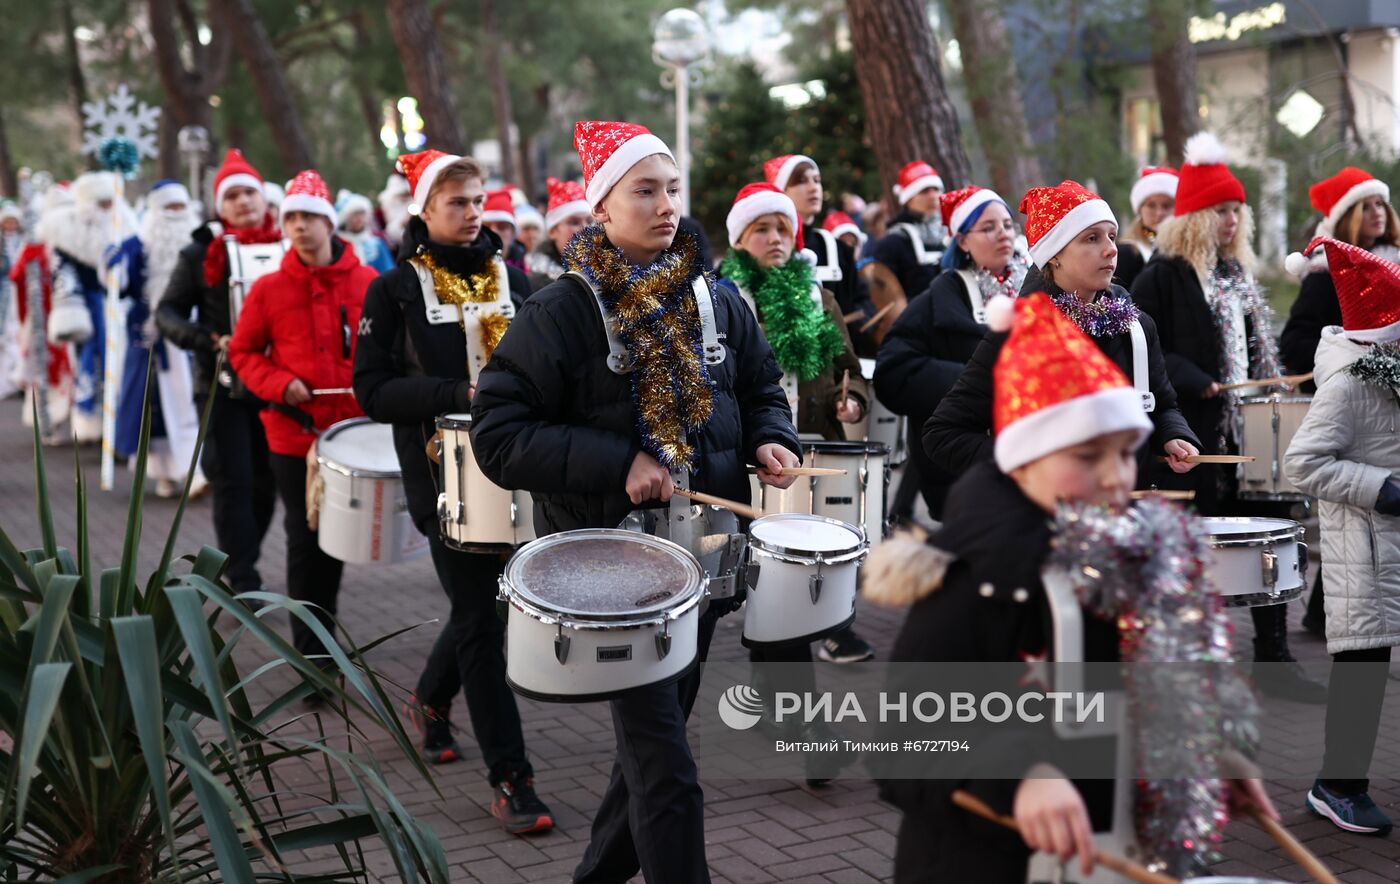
{"x":1145,"y":569}
{"x":1229,"y":285}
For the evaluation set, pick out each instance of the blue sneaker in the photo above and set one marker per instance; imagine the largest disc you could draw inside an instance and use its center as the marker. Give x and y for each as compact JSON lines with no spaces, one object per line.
{"x":1350,"y":813}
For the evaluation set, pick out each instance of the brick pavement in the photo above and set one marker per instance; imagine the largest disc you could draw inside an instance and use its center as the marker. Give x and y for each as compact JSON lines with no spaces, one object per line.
{"x":756,"y":831}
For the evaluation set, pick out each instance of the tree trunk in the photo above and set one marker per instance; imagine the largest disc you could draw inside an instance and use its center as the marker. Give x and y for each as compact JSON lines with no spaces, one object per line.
{"x":527,"y":167}
{"x":1174,"y":75}
{"x":496,"y":48}
{"x":370,"y":107}
{"x":908,"y":112}
{"x":415,"y":35}
{"x":270,"y":82}
{"x":9,"y":181}
{"x":187,"y":89}
{"x":995,"y":94}
{"x":77,"y":83}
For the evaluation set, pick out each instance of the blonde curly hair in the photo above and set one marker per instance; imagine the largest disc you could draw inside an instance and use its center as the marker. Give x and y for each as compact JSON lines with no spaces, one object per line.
{"x":1192,"y":236}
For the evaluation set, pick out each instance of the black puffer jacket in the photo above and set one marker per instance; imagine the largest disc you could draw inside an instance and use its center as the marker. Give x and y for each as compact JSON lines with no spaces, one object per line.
{"x":1316,"y":308}
{"x":186,"y":294}
{"x":550,"y":416}
{"x":896,"y":252}
{"x":407,"y":371}
{"x":958,"y":435}
{"x":920,"y":360}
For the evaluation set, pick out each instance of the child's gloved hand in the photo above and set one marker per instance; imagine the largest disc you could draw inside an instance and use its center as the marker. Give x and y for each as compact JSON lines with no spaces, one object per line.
{"x":1388,"y":503}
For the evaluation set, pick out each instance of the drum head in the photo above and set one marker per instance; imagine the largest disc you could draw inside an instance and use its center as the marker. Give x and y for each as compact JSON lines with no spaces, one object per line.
{"x":359,"y":446}
{"x":802,"y":534}
{"x":603,"y":574}
{"x":454,"y":421}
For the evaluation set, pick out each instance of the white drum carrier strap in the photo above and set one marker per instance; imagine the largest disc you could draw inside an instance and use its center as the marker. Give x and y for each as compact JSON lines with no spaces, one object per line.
{"x":620,"y":361}
{"x":974,"y":296}
{"x":466,"y":315}
{"x":1140,"y":372}
{"x":830,"y":269}
{"x":921,"y":254}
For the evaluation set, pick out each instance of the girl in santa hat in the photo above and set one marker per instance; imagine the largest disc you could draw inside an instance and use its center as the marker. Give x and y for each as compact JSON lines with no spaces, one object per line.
{"x":1217,"y":329}
{"x":998,"y":583}
{"x":1152,"y":198}
{"x":1347,"y":455}
{"x":1071,"y":232}
{"x":925,"y":350}
{"x":596,"y":425}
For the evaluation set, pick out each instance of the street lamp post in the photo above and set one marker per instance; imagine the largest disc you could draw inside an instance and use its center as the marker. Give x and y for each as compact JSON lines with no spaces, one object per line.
{"x":193,"y":142}
{"x":679,"y":40}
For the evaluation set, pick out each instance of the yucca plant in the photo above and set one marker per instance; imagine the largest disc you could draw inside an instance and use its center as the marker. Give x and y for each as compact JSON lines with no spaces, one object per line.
{"x":137,"y":750}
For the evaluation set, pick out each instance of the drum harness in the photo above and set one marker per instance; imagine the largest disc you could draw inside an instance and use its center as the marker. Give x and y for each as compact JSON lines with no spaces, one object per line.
{"x":685,"y":524}
{"x":830,"y":271}
{"x":922,"y":255}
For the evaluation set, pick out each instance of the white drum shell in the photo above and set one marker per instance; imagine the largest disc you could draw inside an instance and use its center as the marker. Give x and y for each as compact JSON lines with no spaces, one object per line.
{"x":473,"y":511}
{"x":1246,"y":553}
{"x":781,"y":607}
{"x":1269,"y":425}
{"x":364,"y":514}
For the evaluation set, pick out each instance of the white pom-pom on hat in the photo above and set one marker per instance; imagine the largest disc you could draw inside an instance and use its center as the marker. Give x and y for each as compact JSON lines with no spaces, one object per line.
{"x":1001,"y":310}
{"x":1295,"y":263}
{"x":1204,"y":149}
{"x":809,"y":256}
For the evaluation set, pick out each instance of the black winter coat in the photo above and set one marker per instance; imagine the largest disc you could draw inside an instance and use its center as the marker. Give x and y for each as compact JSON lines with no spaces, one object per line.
{"x":847,"y":288}
{"x":408,"y":371}
{"x":920,"y":360}
{"x":958,"y":435}
{"x":1002,"y":540}
{"x":1316,"y":308}
{"x":550,"y":417}
{"x":896,"y":252}
{"x":185,"y":294}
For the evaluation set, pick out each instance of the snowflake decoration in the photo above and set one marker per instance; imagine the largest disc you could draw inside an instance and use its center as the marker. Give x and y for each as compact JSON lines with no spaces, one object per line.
{"x":120,"y":116}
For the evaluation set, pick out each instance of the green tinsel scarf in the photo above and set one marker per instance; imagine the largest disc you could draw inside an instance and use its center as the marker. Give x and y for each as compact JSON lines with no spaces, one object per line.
{"x":1379,"y":367}
{"x":804,"y":338}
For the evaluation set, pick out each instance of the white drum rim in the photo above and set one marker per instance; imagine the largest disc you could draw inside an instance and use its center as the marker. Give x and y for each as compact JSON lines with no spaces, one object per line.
{"x":456,"y":420}
{"x":1293,"y":531}
{"x":1275,"y":397}
{"x":808,"y":556}
{"x":325,"y":461}
{"x":539,"y":610}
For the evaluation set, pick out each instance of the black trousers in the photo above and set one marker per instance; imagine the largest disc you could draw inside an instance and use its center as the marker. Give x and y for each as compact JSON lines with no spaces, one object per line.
{"x":1356,"y":692}
{"x":312,"y":575}
{"x":235,"y":461}
{"x":652,"y":817}
{"x":469,"y":655}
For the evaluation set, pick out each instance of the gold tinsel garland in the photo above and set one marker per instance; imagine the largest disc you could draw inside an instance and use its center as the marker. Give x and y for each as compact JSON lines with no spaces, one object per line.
{"x":660,"y":324}
{"x":483,"y":287}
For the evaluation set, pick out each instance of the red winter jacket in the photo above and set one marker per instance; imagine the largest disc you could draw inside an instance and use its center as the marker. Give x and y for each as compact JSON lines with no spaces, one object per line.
{"x":302,"y":322}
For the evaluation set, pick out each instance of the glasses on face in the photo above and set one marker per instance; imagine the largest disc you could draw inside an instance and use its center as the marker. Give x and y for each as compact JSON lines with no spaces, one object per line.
{"x":993,"y":229}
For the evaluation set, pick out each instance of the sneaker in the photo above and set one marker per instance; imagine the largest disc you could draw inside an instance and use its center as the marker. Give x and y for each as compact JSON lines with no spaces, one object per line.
{"x":844,"y":647}
{"x":1350,"y":813}
{"x":1289,"y":681}
{"x":519,"y":809}
{"x":439,"y":746}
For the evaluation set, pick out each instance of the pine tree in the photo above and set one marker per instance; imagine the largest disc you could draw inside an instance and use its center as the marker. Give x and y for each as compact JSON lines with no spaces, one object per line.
{"x":745,"y":128}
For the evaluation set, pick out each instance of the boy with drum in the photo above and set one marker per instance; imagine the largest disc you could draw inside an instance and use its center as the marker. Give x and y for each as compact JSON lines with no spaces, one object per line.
{"x":295,"y":336}
{"x":594,"y":433}
{"x":413,"y":363}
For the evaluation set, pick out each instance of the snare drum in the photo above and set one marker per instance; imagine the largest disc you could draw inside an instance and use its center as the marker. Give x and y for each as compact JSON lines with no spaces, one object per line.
{"x":474,"y":513}
{"x":882,"y":425}
{"x":857,"y":498}
{"x":1257,"y":561}
{"x":1269,"y":422}
{"x":597,"y":612}
{"x":364,"y":513}
{"x":801,"y":577}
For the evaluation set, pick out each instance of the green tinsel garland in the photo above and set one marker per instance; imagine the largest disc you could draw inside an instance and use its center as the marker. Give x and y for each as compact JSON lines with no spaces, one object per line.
{"x":1379,"y":367}
{"x":804,"y":338}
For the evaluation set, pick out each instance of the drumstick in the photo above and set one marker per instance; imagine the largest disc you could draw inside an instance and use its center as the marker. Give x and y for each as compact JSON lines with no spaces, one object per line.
{"x":1125,"y":867}
{"x":334,"y":391}
{"x":845,"y":385}
{"x":1165,"y":494}
{"x":874,"y":320}
{"x":1281,"y":380}
{"x":806,"y":471}
{"x":1296,"y":851}
{"x":734,"y":506}
{"x":853,"y":317}
{"x":1216,"y":458}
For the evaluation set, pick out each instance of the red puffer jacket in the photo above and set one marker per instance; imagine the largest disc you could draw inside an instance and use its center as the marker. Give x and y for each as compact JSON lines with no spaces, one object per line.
{"x":302,"y":322}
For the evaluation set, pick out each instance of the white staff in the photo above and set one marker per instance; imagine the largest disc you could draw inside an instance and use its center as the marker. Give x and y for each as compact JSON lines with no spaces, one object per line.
{"x":111,"y":366}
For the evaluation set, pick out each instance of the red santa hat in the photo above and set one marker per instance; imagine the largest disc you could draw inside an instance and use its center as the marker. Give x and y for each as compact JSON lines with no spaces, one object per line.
{"x":1056,"y":215}
{"x":234,"y":172}
{"x":421,"y":169}
{"x":498,"y":207}
{"x":1153,"y":181}
{"x":1053,"y":387}
{"x":840,"y":224}
{"x":1334,"y":196}
{"x":959,"y":205}
{"x":778,"y":171}
{"x":755,"y":200}
{"x":914,"y":178}
{"x":1205,"y":179}
{"x":307,"y":192}
{"x":1368,"y":288}
{"x":609,"y":150}
{"x":566,"y":199}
